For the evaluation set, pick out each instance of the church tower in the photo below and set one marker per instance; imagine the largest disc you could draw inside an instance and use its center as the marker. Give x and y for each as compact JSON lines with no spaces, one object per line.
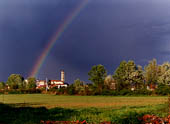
{"x":62,"y":75}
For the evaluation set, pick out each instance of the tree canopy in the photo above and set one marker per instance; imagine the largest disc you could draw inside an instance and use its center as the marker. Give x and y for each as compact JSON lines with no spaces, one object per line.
{"x":152,"y":72}
{"x":2,"y":85}
{"x":128,"y":74}
{"x":97,"y":75}
{"x":15,"y":81}
{"x":31,"y":83}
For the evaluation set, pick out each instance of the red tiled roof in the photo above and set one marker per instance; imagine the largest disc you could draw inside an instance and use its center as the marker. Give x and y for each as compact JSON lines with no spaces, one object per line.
{"x":57,"y":80}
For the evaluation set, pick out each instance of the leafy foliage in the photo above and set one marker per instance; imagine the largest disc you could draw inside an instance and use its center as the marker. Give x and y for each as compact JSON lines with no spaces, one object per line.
{"x":152,"y":72}
{"x":110,"y":83}
{"x":97,"y":75}
{"x":79,"y":86}
{"x":15,"y":81}
{"x":164,"y":77}
{"x":128,"y":75}
{"x":2,"y":85}
{"x":31,"y":83}
{"x":162,"y":89}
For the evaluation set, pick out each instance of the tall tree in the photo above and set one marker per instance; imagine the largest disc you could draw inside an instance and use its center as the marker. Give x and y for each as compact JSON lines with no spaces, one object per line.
{"x":15,"y":81}
{"x":97,"y":75}
{"x":31,"y":83}
{"x":2,"y":85}
{"x":128,"y":75}
{"x":152,"y":72}
{"x":120,"y":76}
{"x":164,"y":77}
{"x":110,"y":83}
{"x":79,"y":86}
{"x":139,"y":77}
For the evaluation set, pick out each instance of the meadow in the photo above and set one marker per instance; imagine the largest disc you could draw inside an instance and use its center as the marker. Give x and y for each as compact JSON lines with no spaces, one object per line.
{"x":51,"y":101}
{"x":32,"y":108}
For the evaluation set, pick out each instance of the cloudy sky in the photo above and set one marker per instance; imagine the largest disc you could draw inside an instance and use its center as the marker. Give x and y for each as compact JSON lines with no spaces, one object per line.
{"x":105,"y":32}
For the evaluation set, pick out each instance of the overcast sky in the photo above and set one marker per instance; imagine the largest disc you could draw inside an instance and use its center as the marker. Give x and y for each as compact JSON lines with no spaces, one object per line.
{"x":105,"y":32}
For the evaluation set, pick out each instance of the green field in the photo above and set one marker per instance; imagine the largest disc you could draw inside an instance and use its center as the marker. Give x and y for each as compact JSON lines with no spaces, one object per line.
{"x":32,"y":108}
{"x":51,"y":101}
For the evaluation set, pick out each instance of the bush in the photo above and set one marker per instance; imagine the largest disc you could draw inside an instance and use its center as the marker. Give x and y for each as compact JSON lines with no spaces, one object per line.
{"x":71,"y":90}
{"x":107,"y":92}
{"x":127,"y":118}
{"x":2,"y":91}
{"x":23,"y":91}
{"x":12,"y":91}
{"x":162,"y":90}
{"x":142,"y":92}
{"x":125,"y":92}
{"x":114,"y":93}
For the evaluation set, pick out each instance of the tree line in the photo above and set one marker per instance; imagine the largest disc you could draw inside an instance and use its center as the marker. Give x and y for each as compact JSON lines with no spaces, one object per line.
{"x":17,"y":84}
{"x":127,"y":79}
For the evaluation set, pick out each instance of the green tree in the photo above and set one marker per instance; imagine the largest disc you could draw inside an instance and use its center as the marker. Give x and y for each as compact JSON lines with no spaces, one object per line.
{"x":71,"y":90}
{"x":97,"y":75}
{"x":164,"y":77}
{"x":152,"y":72}
{"x":79,"y":87}
{"x":120,"y":76}
{"x":31,"y":83}
{"x":15,"y":81}
{"x":110,"y":83}
{"x":128,"y":75}
{"x":78,"y":84}
{"x":2,"y":85}
{"x":138,"y":77}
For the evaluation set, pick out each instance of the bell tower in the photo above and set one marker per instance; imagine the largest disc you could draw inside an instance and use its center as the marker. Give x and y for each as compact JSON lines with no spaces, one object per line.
{"x":62,"y":75}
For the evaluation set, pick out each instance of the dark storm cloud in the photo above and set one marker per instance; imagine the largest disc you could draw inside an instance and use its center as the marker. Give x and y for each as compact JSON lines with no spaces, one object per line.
{"x":105,"y":32}
{"x":130,"y":30}
{"x":25,"y":28}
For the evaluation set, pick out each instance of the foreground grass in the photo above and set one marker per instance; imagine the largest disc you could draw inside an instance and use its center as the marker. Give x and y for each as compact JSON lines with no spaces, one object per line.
{"x":31,"y":109}
{"x":124,"y":115}
{"x":51,"y":101}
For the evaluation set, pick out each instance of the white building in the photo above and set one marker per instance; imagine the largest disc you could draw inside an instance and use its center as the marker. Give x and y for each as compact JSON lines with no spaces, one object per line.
{"x":53,"y":83}
{"x":41,"y":84}
{"x":57,"y":84}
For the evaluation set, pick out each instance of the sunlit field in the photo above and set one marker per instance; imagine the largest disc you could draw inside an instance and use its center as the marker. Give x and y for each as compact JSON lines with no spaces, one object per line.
{"x":51,"y":101}
{"x":32,"y":108}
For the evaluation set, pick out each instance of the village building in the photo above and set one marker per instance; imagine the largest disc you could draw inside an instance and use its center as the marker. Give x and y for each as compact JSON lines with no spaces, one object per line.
{"x":152,"y":87}
{"x":52,"y":83}
{"x":57,"y":84}
{"x":41,"y":84}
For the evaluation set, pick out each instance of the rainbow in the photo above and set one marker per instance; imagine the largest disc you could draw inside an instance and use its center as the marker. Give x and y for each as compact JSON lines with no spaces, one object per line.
{"x":67,"y":21}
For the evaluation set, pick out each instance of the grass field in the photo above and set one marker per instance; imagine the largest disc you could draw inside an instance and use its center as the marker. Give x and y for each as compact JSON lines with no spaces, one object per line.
{"x":51,"y":101}
{"x":32,"y":108}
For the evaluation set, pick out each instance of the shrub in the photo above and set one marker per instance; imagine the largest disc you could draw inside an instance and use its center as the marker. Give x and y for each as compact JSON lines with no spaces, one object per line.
{"x":2,"y":91}
{"x":70,"y":90}
{"x":162,"y":90}
{"x":127,"y":118}
{"x":114,"y":93}
{"x":12,"y":91}
{"x":142,"y":92}
{"x":106,"y":92}
{"x":23,"y":91}
{"x":125,"y":92}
